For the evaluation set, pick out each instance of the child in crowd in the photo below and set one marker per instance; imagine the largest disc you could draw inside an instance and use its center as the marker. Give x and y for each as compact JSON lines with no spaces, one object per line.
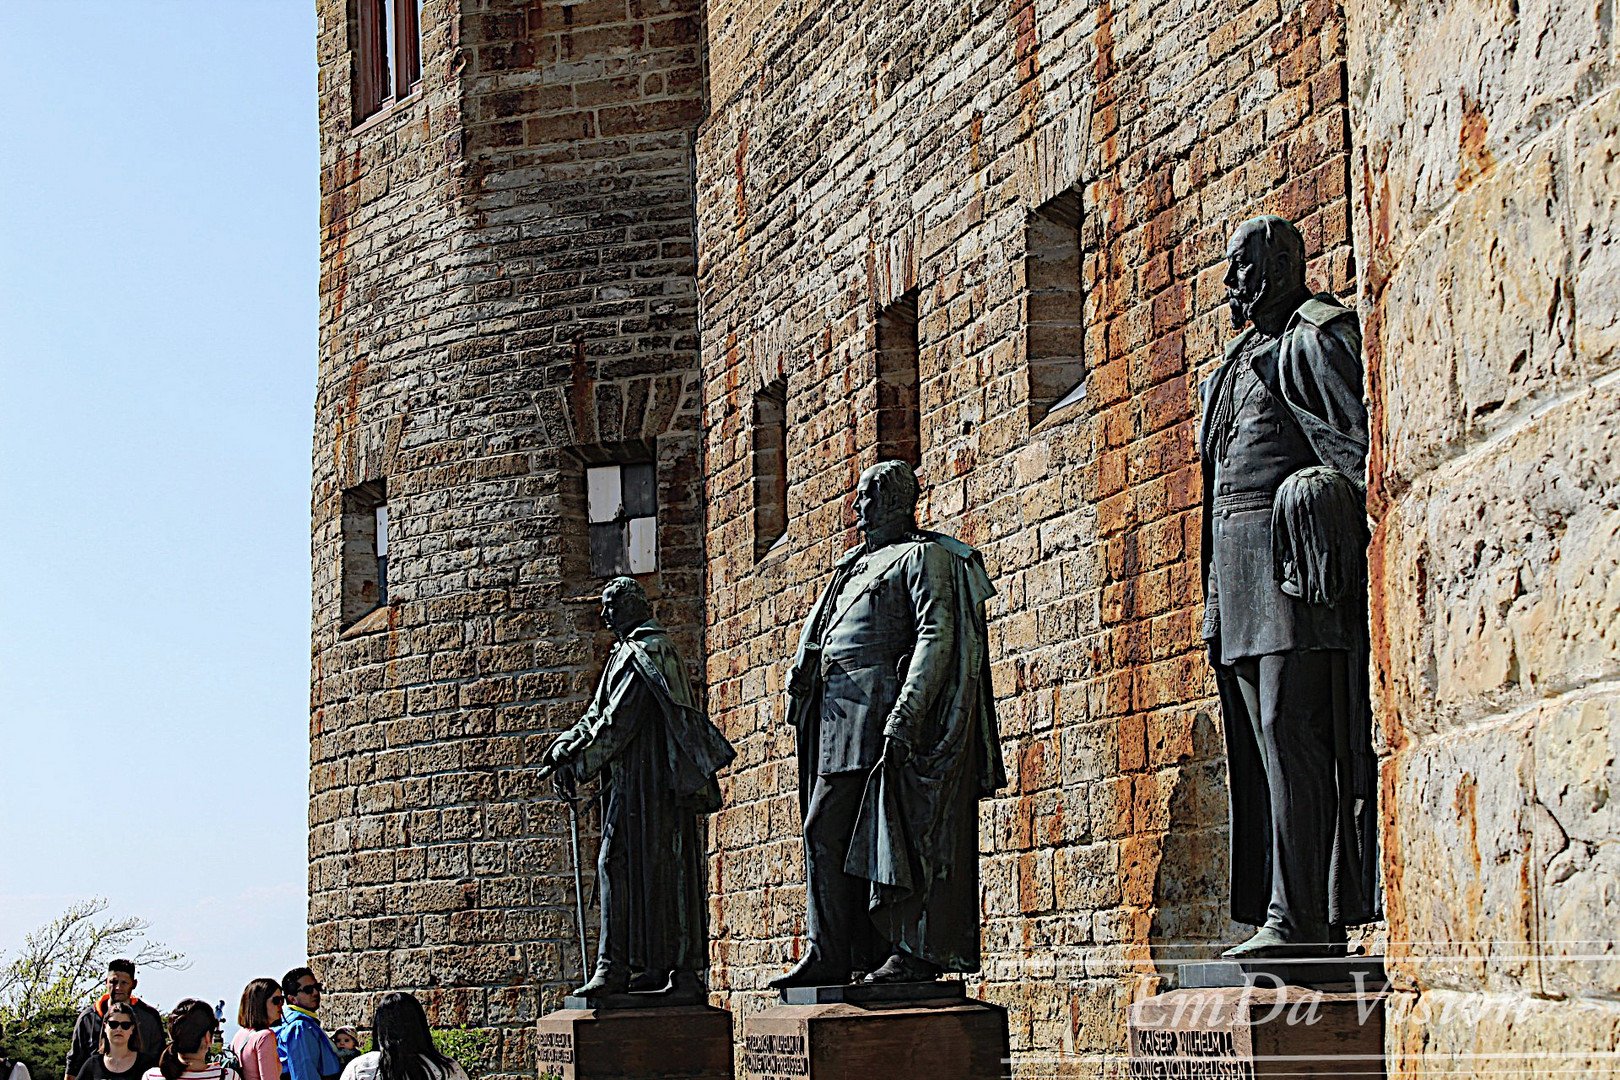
{"x":346,"y":1041}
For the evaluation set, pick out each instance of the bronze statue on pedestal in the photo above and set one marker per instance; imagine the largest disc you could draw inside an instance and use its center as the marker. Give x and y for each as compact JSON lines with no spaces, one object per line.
{"x":1283,"y":446}
{"x":890,"y":699}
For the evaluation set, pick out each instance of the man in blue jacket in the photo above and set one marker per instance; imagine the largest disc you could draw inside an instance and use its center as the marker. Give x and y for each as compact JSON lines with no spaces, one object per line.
{"x":305,"y":1051}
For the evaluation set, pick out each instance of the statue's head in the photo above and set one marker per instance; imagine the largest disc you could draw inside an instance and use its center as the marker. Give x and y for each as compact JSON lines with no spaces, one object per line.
{"x":886,"y":500}
{"x":1265,"y":264}
{"x":624,"y":605}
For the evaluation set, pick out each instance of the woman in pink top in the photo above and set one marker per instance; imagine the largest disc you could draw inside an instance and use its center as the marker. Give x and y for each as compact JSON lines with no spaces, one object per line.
{"x":255,"y":1044}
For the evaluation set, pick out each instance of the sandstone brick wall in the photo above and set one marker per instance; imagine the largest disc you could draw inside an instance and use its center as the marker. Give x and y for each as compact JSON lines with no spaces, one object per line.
{"x":507,"y":293}
{"x":1485,"y":196}
{"x":857,"y":151}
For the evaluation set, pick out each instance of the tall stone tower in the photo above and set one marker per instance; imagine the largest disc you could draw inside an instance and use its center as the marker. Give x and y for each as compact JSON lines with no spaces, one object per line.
{"x":506,"y":414}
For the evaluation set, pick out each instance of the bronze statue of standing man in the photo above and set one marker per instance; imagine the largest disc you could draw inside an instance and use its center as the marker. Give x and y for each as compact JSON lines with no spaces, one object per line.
{"x":647,"y":735}
{"x":890,"y":699}
{"x":1283,"y":446}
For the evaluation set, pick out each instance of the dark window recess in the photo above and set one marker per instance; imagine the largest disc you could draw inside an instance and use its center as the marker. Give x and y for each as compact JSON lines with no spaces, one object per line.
{"x":899,"y":412}
{"x":365,"y":550}
{"x":1056,"y":326}
{"x":621,"y":504}
{"x":770,"y":467}
{"x":387,"y":37}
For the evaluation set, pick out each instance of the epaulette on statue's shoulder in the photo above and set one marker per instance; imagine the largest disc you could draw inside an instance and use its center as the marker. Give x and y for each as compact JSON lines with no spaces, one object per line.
{"x":949,"y":543}
{"x":1322,"y":309}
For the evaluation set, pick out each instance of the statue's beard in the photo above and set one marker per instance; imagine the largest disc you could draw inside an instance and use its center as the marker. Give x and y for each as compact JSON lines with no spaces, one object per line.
{"x":1241,"y":304}
{"x":887,"y":526}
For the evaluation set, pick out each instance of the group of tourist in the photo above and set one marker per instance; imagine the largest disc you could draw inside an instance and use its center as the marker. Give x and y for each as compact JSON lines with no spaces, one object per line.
{"x":121,"y":1037}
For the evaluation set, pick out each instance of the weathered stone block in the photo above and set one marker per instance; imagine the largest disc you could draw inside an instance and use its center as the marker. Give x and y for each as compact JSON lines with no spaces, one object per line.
{"x":1457,"y":829}
{"x":1479,"y":322}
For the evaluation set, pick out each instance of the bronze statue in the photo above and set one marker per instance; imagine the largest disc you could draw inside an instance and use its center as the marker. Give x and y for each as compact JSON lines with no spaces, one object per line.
{"x":1283,"y":446}
{"x":646,"y":733}
{"x":890,"y":698}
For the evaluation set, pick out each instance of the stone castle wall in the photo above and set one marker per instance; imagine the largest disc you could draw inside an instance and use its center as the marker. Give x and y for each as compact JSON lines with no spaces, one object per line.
{"x":507,"y":293}
{"x":1486,"y":142}
{"x":514,"y":263}
{"x":857,"y":152}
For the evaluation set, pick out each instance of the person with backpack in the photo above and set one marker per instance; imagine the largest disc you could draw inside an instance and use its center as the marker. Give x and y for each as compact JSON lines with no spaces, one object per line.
{"x":306,"y":1052}
{"x":193,"y":1030}
{"x":254,"y":1047}
{"x":121,"y":1054}
{"x":404,"y":1046}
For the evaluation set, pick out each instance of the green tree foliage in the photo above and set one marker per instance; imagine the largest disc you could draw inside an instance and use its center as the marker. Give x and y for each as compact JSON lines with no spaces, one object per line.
{"x":59,"y":970}
{"x":41,"y":1041}
{"x":464,"y":1046}
{"x":63,"y":963}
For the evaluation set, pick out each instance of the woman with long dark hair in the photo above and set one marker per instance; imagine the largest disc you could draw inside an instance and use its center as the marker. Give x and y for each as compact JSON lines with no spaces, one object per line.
{"x":192,"y":1031}
{"x":121,"y":1055}
{"x":404,"y":1043}
{"x":255,"y":1044}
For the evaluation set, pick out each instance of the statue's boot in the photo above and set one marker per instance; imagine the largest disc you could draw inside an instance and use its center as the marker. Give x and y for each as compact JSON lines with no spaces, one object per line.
{"x":1270,"y":942}
{"x":903,"y":967}
{"x":655,"y":981}
{"x":607,"y":980}
{"x":811,"y":971}
{"x":686,"y":981}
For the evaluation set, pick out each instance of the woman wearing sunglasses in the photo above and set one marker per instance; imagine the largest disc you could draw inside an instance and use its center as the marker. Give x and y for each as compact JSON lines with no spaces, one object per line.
{"x":120,"y":1056}
{"x":255,"y":1044}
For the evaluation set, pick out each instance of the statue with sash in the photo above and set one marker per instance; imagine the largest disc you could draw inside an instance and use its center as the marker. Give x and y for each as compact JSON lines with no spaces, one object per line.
{"x":1283,"y":446}
{"x":890,"y":700}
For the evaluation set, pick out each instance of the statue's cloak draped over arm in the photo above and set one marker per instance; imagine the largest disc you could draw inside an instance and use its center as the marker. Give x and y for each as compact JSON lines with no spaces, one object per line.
{"x":1315,"y":369}
{"x":694,"y":749}
{"x":916,"y":838}
{"x":646,"y":734}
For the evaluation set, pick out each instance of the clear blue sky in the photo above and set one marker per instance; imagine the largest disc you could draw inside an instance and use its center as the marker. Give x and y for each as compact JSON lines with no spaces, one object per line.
{"x":158,"y":268}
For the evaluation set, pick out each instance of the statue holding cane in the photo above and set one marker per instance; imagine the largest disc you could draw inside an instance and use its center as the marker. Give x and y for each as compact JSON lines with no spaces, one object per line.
{"x":647,"y":736}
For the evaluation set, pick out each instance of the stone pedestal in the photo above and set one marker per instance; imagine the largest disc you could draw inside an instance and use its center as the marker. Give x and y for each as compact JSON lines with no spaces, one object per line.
{"x":691,"y":1042}
{"x":937,"y":1038}
{"x":1258,"y":1031}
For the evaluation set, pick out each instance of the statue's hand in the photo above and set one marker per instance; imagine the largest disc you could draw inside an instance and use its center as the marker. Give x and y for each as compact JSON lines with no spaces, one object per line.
{"x":557,"y":755}
{"x":563,"y":783}
{"x":896,"y":750}
{"x":798,"y":683}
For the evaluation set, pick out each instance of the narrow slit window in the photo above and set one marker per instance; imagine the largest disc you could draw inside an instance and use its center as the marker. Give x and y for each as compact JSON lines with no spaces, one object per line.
{"x":1055,"y":342}
{"x":381,"y":514}
{"x":622,"y":509}
{"x":770,"y":467}
{"x":365,"y":550}
{"x":899,"y":414}
{"x":387,"y":52}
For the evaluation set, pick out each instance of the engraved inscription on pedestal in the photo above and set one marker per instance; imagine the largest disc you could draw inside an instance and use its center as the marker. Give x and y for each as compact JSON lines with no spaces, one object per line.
{"x":942,"y":1039}
{"x":556,"y":1054}
{"x":681,"y":1043}
{"x":1242,"y":1033}
{"x":776,"y":1055}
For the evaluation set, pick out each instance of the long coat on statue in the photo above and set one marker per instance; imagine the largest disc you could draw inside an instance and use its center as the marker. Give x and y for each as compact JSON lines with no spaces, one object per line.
{"x":659,"y":753}
{"x":1312,"y":376}
{"x":916,"y":838}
